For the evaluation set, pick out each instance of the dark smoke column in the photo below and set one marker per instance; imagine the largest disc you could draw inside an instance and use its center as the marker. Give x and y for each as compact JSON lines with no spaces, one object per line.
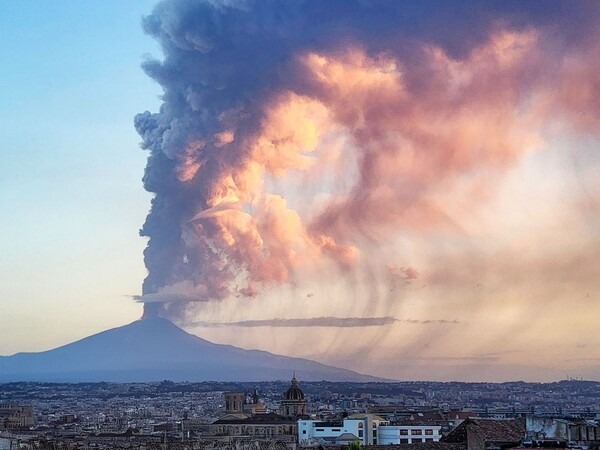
{"x":164,"y":251}
{"x":166,"y":257}
{"x":204,"y":99}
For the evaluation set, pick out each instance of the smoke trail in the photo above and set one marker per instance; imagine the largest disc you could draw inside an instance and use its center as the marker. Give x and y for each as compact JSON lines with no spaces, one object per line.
{"x":376,"y":107}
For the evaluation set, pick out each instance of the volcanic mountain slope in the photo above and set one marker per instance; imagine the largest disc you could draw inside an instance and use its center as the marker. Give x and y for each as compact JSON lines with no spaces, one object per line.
{"x":156,"y":349}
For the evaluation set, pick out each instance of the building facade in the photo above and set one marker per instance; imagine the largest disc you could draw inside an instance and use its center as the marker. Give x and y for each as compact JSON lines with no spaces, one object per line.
{"x":258,"y":427}
{"x":408,"y":434}
{"x":14,"y":416}
{"x":363,"y":428}
{"x":245,"y":416}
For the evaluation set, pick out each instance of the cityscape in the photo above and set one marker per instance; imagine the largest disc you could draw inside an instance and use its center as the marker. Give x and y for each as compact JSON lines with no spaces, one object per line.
{"x":563,"y":414}
{"x":300,"y":225}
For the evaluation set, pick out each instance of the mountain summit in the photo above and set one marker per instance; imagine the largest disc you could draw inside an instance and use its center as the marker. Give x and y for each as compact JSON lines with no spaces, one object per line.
{"x":156,"y":349}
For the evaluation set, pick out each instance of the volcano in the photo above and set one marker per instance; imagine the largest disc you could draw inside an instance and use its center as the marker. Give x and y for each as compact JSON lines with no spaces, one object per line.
{"x":156,"y":349}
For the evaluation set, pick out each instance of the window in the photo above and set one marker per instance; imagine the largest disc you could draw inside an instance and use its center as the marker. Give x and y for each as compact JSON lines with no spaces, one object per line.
{"x":360,"y":433}
{"x":404,"y":432}
{"x":415,"y":441}
{"x":415,"y":432}
{"x":374,"y":433}
{"x":303,"y":431}
{"x":429,"y":432}
{"x":404,"y":441}
{"x":428,"y":439}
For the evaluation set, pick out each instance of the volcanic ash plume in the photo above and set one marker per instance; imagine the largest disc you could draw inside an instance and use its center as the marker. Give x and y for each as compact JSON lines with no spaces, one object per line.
{"x":300,"y":140}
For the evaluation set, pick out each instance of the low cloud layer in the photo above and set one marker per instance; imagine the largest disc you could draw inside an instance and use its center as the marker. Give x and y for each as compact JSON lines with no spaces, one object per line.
{"x":329,"y":322}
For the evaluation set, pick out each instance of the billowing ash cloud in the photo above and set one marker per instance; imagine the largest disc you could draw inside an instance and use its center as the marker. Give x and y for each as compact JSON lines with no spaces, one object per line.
{"x":330,"y":322}
{"x":370,"y":109}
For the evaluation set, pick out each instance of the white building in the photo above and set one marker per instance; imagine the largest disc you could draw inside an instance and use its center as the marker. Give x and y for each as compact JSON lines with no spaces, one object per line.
{"x":368,"y":429}
{"x":408,"y":434}
{"x":358,"y":427}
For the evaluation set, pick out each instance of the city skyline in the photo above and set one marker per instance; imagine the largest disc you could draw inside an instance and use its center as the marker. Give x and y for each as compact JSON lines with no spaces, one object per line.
{"x":408,"y":192}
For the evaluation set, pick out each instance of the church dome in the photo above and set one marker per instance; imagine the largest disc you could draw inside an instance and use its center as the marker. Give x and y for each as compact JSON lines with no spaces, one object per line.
{"x":294,"y":392}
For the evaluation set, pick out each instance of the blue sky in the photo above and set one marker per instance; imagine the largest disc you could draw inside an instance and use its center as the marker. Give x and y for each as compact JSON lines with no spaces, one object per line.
{"x":71,"y":197}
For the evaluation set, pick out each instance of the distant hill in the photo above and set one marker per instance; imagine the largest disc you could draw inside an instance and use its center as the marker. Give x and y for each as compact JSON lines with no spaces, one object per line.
{"x":156,"y":349}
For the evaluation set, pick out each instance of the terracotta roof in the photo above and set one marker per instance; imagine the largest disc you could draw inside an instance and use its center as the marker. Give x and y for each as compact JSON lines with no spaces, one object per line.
{"x":419,"y":446}
{"x":128,"y":433}
{"x":489,"y":430}
{"x":258,"y":418}
{"x":433,"y":417}
{"x":273,"y":445}
{"x":365,"y":416}
{"x":415,"y":446}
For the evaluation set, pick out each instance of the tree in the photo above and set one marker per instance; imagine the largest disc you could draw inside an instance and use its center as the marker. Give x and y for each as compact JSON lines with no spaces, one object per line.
{"x":354,"y":445}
